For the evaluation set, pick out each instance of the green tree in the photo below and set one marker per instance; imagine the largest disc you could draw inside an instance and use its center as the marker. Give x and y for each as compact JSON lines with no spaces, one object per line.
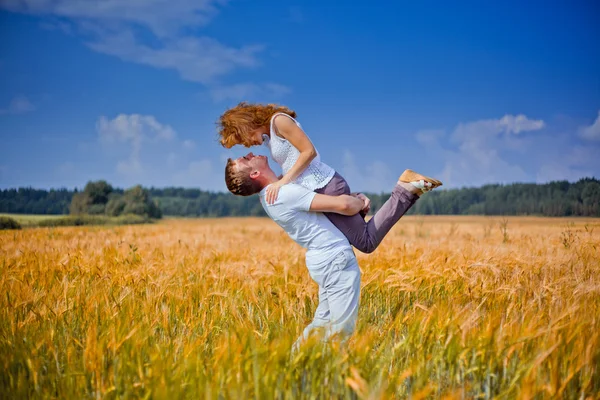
{"x":138,"y":201}
{"x":79,"y":204}
{"x":9,"y":223}
{"x":98,"y":192}
{"x":92,"y":200}
{"x":591,"y":199}
{"x":116,"y":205}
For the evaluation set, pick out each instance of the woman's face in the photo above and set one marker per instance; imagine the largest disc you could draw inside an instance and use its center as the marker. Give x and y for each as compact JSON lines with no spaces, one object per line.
{"x":256,"y":136}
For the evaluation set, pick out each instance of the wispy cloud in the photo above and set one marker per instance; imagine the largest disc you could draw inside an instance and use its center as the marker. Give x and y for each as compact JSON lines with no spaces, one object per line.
{"x":199,"y":59}
{"x":500,"y":151}
{"x":591,"y":132}
{"x":474,"y":154}
{"x":162,"y":17}
{"x":147,"y":151}
{"x":483,"y":129}
{"x":157,"y":33}
{"x":133,"y":130}
{"x":18,"y":105}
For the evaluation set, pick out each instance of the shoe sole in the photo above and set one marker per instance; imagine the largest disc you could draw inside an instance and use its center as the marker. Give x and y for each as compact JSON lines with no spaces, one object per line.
{"x":411,"y":176}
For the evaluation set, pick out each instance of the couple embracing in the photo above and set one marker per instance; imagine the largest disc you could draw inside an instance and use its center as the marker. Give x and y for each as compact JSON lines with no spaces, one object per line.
{"x":314,"y":205}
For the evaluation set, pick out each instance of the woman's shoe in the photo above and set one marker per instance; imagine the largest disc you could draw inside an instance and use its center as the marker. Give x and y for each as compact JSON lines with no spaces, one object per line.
{"x":422,"y":182}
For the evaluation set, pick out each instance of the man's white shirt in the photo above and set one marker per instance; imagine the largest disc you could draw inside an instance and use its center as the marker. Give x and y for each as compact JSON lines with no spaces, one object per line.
{"x":311,"y":230}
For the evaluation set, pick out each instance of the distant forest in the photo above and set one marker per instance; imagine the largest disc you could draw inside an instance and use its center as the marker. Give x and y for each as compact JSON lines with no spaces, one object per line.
{"x":553,"y":199}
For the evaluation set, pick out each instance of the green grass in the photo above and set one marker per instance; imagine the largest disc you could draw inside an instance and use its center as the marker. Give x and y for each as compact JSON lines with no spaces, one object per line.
{"x":35,"y":220}
{"x":30,"y":219}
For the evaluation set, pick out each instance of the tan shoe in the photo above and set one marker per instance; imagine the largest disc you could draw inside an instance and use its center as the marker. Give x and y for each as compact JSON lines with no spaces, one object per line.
{"x":422,"y":182}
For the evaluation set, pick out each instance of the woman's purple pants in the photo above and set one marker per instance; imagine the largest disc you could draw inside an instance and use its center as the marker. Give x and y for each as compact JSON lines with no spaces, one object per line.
{"x":366,"y":236}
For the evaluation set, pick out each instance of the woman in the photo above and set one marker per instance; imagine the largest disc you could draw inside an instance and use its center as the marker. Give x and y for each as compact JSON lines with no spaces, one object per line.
{"x":276,"y":127}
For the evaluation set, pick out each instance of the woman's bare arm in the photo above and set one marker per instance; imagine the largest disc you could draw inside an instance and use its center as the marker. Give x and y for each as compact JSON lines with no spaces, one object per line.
{"x":288,"y":129}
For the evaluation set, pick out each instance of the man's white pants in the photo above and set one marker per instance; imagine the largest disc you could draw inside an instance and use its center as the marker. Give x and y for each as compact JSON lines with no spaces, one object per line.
{"x":339,"y":293}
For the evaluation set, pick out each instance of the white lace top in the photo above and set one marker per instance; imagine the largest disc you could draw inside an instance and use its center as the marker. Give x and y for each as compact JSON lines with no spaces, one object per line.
{"x":315,"y":176}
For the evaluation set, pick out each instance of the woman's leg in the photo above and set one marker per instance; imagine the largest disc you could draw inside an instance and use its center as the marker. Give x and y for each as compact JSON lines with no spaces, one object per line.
{"x":366,"y":236}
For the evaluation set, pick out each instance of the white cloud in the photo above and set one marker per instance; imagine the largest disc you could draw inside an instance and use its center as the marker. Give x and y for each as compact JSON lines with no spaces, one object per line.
{"x":146,"y":151}
{"x":118,"y":28}
{"x":199,"y":59}
{"x":479,"y":130}
{"x":520,"y":123}
{"x":496,"y":151}
{"x":18,"y":105}
{"x":162,"y":17}
{"x":242,"y":91}
{"x":591,"y":132}
{"x":374,"y":177}
{"x":480,"y":143}
{"x":477,"y":156}
{"x":134,"y":130}
{"x":133,"y":127}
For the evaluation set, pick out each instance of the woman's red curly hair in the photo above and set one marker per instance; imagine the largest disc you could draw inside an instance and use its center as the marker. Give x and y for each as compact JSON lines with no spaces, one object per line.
{"x":236,"y":123}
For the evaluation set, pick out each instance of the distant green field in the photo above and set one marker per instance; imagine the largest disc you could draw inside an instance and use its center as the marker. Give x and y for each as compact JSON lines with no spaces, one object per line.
{"x":30,"y":219}
{"x":34,"y":220}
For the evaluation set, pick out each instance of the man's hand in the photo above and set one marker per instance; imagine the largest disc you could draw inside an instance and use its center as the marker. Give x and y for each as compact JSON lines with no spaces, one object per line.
{"x":343,"y":204}
{"x":366,"y":200}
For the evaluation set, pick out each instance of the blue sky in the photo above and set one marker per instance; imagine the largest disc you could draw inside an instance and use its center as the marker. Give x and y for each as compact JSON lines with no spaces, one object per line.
{"x":129,"y":91}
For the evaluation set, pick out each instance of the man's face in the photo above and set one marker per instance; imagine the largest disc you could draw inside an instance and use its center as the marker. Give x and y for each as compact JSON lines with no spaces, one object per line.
{"x":253,"y":162}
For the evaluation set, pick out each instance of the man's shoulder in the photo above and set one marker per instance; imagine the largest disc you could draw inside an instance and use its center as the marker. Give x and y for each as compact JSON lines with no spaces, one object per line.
{"x":287,"y":192}
{"x":290,"y":197}
{"x":293,"y":188}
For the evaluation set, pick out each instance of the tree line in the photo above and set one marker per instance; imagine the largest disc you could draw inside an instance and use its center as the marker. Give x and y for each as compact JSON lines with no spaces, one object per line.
{"x":97,"y":198}
{"x":100,"y":198}
{"x":560,"y":198}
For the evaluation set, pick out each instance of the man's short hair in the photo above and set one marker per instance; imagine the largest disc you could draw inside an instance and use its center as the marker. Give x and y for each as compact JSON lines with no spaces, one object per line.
{"x":238,"y":180}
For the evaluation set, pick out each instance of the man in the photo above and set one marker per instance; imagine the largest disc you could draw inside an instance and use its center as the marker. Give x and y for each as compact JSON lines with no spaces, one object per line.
{"x":329,"y":257}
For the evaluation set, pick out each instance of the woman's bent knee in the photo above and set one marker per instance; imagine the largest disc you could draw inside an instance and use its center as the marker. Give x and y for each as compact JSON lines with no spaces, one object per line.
{"x":364,"y":246}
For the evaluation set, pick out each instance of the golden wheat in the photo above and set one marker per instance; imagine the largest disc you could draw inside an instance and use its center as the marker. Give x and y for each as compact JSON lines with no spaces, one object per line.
{"x":451,"y":307}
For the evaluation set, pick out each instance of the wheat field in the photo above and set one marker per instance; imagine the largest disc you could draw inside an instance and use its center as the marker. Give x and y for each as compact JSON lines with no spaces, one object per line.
{"x":451,"y":307}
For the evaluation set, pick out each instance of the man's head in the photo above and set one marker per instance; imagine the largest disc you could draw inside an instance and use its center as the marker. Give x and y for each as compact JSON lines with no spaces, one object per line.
{"x":247,"y":175}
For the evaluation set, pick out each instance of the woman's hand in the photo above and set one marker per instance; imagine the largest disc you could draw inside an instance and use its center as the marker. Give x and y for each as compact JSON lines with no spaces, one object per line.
{"x":366,"y":200}
{"x":273,"y":191}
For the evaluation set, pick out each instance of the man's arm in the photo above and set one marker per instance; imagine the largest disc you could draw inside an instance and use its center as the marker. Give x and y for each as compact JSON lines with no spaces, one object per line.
{"x":344,"y":204}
